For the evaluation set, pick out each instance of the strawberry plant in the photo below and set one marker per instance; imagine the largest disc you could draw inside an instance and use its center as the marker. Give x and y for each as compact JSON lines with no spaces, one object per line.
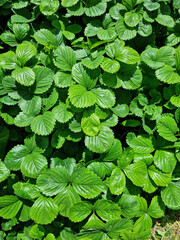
{"x":89,"y":114}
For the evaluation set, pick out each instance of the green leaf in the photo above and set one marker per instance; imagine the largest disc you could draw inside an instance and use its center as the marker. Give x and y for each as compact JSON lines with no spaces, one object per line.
{"x":144,"y":223}
{"x":121,"y":110}
{"x":167,"y":128}
{"x":94,"y":223}
{"x":104,"y":97}
{"x":110,"y":66}
{"x":106,"y":34}
{"x":21,"y":30}
{"x":66,"y":199}
{"x":69,"y":3}
{"x":130,"y":77}
{"x":80,"y":97}
{"x":115,"y":151}
{"x":22,"y":120}
{"x":139,"y":144}
{"x":124,"y":32}
{"x":25,"y":51}
{"x":26,"y":190}
{"x":36,"y":232}
{"x":167,"y":74}
{"x":84,"y":76}
{"x":151,"y":6}
{"x":137,"y":173}
{"x":165,"y":20}
{"x":86,"y":184}
{"x":176,"y":4}
{"x":175,"y":100}
{"x":44,"y":79}
{"x":44,"y":210}
{"x":33,"y":164}
{"x":30,"y":105}
{"x":90,"y":124}
{"x":43,"y":124}
{"x":129,"y":206}
{"x":130,"y":4}
{"x":8,"y":60}
{"x":76,"y":10}
{"x":102,"y":142}
{"x":95,"y":8}
{"x":156,"y":58}
{"x":9,"y":38}
{"x":9,"y":206}
{"x":156,"y":208}
{"x":177,"y":57}
{"x":144,"y":29}
{"x":80,"y":211}
{"x":53,"y":181}
{"x":117,"y":182}
{"x":15,"y":156}
{"x":63,"y":79}
{"x":65,"y":58}
{"x":93,"y":63}
{"x":171,"y":195}
{"x":160,"y":179}
{"x":45,"y":37}
{"x":118,"y":226}
{"x":62,"y":113}
{"x":165,"y":161}
{"x":25,"y":76}
{"x":107,"y":210}
{"x":48,"y":7}
{"x":132,"y":19}
{"x":4,"y":171}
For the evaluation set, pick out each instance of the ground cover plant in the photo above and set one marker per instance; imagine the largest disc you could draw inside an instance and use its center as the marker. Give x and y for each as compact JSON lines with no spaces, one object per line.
{"x":90,"y":114}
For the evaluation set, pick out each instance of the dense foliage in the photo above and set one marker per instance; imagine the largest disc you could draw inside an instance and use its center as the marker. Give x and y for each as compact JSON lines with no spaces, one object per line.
{"x":90,"y":114}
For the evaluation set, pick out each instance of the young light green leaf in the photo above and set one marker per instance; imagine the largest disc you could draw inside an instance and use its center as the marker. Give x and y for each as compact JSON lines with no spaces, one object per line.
{"x":90,"y":124}
{"x":48,"y":7}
